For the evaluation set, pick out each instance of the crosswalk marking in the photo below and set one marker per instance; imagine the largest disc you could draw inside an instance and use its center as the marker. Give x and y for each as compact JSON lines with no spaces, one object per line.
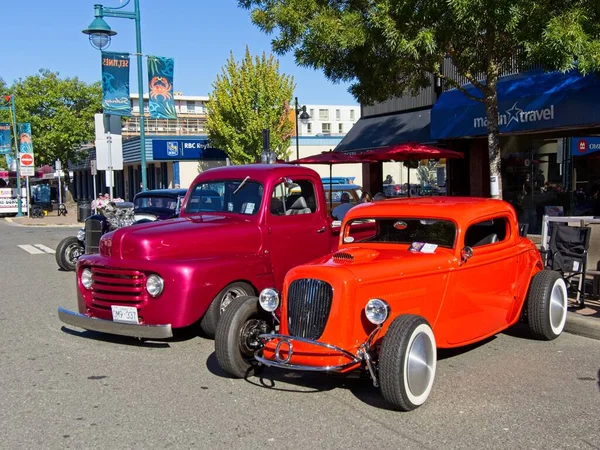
{"x":31,"y":249}
{"x":44,"y":248}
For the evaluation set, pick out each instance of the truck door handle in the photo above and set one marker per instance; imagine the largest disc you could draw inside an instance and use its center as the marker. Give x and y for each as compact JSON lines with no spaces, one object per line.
{"x":322,"y":230}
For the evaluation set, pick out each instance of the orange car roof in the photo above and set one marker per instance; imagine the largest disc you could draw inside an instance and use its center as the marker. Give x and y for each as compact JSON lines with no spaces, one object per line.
{"x":459,"y":209}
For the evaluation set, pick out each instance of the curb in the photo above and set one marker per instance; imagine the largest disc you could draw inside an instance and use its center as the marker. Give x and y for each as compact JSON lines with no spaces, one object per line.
{"x":583,"y":326}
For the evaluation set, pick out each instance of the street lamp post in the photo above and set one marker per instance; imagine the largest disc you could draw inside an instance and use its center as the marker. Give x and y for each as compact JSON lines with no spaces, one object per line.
{"x":100,"y":34}
{"x":304,"y":116}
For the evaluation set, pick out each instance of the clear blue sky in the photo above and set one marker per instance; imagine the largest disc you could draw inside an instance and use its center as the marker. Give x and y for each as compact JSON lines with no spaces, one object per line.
{"x":199,"y":34}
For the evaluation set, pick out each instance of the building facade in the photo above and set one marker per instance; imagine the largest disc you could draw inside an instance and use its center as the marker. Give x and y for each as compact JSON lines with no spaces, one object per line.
{"x":548,"y":123}
{"x":325,"y":120}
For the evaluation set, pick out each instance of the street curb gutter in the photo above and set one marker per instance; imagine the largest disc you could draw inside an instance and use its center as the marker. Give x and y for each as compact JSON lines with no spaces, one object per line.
{"x":40,"y":225}
{"x":583,"y":326}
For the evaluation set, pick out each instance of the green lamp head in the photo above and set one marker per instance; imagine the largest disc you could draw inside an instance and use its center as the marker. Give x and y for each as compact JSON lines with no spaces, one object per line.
{"x":100,"y":33}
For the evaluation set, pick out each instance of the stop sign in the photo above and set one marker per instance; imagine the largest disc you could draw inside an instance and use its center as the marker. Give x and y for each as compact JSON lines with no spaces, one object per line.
{"x":27,"y":159}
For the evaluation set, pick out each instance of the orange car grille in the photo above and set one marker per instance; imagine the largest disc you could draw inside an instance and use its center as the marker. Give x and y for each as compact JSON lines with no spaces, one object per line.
{"x":117,"y":287}
{"x":309,"y":303}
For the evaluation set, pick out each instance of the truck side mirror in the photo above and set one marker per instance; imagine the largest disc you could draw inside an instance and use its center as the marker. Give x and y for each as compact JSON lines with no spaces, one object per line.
{"x":288,"y":182}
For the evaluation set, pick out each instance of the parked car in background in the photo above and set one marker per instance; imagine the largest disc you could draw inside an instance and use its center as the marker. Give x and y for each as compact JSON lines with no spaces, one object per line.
{"x":147,"y":206}
{"x":338,"y":180}
{"x":334,"y":193}
{"x":410,"y":276}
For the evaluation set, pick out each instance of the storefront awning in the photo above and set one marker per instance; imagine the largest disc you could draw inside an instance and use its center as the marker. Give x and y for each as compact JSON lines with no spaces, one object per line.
{"x":371,"y":133}
{"x":527,"y":102}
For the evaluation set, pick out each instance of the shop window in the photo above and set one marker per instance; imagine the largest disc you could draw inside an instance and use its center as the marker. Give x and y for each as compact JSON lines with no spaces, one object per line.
{"x":340,"y":127}
{"x":309,"y":127}
{"x":326,"y":128}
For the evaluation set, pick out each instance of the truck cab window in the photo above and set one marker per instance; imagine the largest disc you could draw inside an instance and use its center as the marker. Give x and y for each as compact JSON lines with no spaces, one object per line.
{"x":297,"y":198}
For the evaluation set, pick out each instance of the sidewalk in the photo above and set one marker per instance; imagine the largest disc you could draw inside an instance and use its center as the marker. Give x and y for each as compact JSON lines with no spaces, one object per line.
{"x":51,"y":220}
{"x":584,"y":321}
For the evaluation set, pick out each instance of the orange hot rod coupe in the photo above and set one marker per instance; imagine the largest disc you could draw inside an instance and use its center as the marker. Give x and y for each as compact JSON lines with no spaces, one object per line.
{"x":410,"y":276}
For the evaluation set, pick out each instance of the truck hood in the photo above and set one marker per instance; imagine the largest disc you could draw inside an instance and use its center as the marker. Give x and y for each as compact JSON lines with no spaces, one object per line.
{"x":184,"y":238}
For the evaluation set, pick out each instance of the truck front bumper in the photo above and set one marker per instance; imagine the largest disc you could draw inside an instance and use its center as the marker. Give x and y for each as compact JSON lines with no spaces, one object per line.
{"x":108,"y":326}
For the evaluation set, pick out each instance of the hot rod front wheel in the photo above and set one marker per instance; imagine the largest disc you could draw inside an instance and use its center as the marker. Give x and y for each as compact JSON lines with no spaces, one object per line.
{"x":407,"y":362}
{"x":237,"y":335}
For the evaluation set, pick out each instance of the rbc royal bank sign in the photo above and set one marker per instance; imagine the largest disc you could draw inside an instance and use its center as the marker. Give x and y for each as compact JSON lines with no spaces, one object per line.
{"x":184,"y":149}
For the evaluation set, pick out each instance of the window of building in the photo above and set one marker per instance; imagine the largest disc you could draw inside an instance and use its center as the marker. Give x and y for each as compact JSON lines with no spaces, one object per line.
{"x":326,"y":128}
{"x":309,"y":127}
{"x":323,"y":114}
{"x":351,"y":114}
{"x":312,"y":113}
{"x":340,"y":127}
{"x":191,"y":106}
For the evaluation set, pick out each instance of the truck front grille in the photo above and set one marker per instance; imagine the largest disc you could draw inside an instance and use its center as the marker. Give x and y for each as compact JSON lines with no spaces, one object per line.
{"x":309,"y":303}
{"x":117,"y":287}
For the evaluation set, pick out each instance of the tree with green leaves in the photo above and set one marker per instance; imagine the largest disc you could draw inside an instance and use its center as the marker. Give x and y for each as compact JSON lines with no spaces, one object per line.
{"x":388,"y":48}
{"x":248,"y":97}
{"x":61,"y":112}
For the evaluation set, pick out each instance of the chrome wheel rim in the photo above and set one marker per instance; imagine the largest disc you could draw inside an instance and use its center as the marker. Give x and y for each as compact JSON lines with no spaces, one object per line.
{"x":229,"y":296}
{"x":73,"y":253}
{"x":558,"y":307}
{"x":420,"y":364}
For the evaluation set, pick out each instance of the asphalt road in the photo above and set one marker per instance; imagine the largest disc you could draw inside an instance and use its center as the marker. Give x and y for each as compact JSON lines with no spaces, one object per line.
{"x":70,"y":389}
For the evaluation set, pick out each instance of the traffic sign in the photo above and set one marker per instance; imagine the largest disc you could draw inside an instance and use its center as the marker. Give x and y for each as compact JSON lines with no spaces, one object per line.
{"x":26,"y":159}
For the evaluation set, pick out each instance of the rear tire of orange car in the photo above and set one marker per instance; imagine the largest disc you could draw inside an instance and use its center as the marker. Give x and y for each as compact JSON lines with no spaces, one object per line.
{"x":547,"y":305}
{"x":211,"y":317}
{"x":407,"y":362}
{"x":235,"y":341}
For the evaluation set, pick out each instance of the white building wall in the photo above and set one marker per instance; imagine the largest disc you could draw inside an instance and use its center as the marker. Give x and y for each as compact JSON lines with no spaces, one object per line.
{"x":333,"y":116}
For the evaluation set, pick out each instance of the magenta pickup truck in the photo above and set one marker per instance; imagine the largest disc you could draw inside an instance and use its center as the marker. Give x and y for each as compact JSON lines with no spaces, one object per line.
{"x":241,"y":228}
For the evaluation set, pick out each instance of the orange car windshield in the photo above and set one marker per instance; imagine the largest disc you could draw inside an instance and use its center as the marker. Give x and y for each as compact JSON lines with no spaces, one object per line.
{"x":401,"y":231}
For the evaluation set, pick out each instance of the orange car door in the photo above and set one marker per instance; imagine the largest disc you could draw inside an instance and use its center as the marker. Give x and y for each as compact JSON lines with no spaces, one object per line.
{"x":483,"y":293}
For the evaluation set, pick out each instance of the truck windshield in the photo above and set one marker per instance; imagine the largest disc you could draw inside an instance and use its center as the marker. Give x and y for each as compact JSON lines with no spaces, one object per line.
{"x":226,"y":196}
{"x":401,"y":231}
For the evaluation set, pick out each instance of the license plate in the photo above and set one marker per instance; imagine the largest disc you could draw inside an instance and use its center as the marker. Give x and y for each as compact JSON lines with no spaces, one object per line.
{"x":124,"y":314}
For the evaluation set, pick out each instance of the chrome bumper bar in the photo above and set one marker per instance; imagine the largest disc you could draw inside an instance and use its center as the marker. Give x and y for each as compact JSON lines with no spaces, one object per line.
{"x":108,"y":326}
{"x":283,"y":363}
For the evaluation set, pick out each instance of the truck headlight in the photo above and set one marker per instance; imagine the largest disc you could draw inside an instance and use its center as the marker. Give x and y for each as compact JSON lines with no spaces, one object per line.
{"x":81,"y":235}
{"x":86,"y":278}
{"x":155,"y":285}
{"x":269,"y":299}
{"x":377,"y":311}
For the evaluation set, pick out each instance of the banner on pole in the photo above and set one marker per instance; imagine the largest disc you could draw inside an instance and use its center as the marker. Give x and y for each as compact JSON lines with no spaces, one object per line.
{"x":25,"y":142}
{"x":26,"y":159}
{"x":160,"y":87}
{"x":5,"y":146}
{"x":115,"y":84}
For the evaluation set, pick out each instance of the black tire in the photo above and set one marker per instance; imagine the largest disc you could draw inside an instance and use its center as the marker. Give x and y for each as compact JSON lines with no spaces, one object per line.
{"x":209,"y":321}
{"x":547,"y":305}
{"x":235,"y":341}
{"x":65,"y":253}
{"x":407,"y":336}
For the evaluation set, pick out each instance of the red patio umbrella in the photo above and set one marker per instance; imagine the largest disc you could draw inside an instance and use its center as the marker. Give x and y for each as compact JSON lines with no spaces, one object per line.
{"x":410,"y":151}
{"x":331,"y":158}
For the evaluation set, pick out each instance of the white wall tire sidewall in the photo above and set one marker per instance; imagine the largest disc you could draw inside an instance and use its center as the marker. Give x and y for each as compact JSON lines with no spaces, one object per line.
{"x":420,"y":399}
{"x":563,"y":288}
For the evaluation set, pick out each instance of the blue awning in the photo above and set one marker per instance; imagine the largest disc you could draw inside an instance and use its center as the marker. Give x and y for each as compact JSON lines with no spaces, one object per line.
{"x":370,"y":133}
{"x":529,"y":101}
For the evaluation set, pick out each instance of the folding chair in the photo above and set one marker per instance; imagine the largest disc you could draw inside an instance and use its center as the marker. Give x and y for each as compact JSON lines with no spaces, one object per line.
{"x":568,"y":255}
